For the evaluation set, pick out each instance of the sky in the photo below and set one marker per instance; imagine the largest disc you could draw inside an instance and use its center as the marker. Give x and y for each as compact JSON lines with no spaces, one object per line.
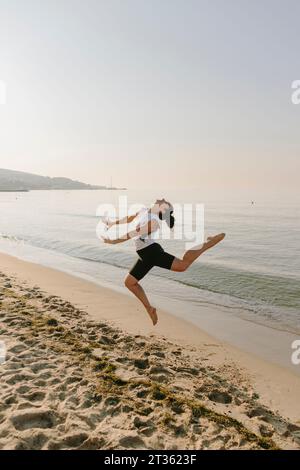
{"x":157,"y":93}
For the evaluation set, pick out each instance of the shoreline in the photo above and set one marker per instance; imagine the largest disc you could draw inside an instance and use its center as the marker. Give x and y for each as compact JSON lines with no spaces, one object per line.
{"x":265,"y":341}
{"x":276,"y":386}
{"x":109,"y":269}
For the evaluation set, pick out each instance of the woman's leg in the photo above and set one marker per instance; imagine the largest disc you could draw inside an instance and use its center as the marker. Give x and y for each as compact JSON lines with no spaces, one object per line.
{"x":132,"y":284}
{"x":190,"y":256}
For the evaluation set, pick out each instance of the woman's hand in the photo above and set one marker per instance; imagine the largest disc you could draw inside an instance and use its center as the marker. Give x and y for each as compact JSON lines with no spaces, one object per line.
{"x":108,"y":222}
{"x":125,"y":220}
{"x":114,"y":242}
{"x":108,"y":240}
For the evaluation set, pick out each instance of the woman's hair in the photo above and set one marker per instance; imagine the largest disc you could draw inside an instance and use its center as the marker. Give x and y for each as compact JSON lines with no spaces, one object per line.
{"x":168,"y":217}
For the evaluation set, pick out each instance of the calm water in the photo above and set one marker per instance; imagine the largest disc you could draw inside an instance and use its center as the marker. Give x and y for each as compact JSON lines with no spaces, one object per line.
{"x":255,"y":272}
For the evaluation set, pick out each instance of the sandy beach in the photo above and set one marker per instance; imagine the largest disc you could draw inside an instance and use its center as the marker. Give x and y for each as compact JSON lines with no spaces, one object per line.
{"x":86,"y":370}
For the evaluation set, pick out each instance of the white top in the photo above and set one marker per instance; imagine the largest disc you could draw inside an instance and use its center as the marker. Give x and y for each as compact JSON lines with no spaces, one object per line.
{"x":143,"y":218}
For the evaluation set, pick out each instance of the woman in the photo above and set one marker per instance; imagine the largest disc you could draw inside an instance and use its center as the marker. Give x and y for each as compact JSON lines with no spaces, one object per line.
{"x":151,"y":253}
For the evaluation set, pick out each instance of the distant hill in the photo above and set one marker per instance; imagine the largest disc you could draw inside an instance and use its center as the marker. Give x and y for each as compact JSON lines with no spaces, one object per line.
{"x":11,"y":180}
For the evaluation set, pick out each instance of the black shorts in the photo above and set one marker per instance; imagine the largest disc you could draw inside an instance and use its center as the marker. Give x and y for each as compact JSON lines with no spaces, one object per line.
{"x":152,"y":255}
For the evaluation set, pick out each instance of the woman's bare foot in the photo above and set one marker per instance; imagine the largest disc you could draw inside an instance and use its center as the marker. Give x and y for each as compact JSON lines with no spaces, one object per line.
{"x":153,"y":315}
{"x":212,"y":241}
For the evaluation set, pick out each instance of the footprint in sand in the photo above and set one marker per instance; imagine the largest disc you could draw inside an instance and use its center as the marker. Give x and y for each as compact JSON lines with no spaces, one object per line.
{"x":141,"y":363}
{"x":142,"y":424}
{"x":11,"y":400}
{"x":20,"y":378}
{"x":276,"y":422}
{"x":25,"y":405}
{"x":142,"y":393}
{"x":35,"y":396}
{"x":39,"y":366}
{"x":160,"y":378}
{"x":74,"y":440}
{"x":14,"y":366}
{"x":18,"y":349}
{"x":35,"y":419}
{"x":35,"y":439}
{"x":220,"y":397}
{"x":40,"y":383}
{"x":23,"y":389}
{"x":132,"y":442}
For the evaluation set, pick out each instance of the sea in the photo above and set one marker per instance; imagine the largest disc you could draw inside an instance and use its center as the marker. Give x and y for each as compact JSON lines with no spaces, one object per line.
{"x":253,"y":274}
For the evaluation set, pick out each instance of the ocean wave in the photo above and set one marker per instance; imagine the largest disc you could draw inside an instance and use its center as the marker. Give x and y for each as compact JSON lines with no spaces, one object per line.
{"x":265,"y":297}
{"x":11,"y":238}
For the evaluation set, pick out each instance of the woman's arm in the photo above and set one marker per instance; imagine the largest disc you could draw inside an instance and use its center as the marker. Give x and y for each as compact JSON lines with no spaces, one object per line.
{"x":125,"y":220}
{"x":146,"y":229}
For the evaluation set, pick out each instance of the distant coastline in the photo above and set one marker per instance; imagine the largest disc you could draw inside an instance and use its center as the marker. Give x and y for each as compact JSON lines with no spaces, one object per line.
{"x":61,"y":189}
{"x":19,"y":181}
{"x":14,"y":190}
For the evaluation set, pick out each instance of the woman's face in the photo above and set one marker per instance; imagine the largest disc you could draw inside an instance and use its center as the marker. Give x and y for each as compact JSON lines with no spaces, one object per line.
{"x":163,"y":205}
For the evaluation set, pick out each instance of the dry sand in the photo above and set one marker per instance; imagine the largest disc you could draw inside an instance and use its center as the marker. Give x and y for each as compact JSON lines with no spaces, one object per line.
{"x":85,"y":370}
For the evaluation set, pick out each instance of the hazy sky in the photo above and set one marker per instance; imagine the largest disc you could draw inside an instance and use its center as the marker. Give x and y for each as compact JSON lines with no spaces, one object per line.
{"x":161,"y":93}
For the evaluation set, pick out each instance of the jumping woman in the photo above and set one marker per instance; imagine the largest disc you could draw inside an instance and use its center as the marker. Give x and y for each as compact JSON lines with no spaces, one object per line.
{"x":150,"y":253}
